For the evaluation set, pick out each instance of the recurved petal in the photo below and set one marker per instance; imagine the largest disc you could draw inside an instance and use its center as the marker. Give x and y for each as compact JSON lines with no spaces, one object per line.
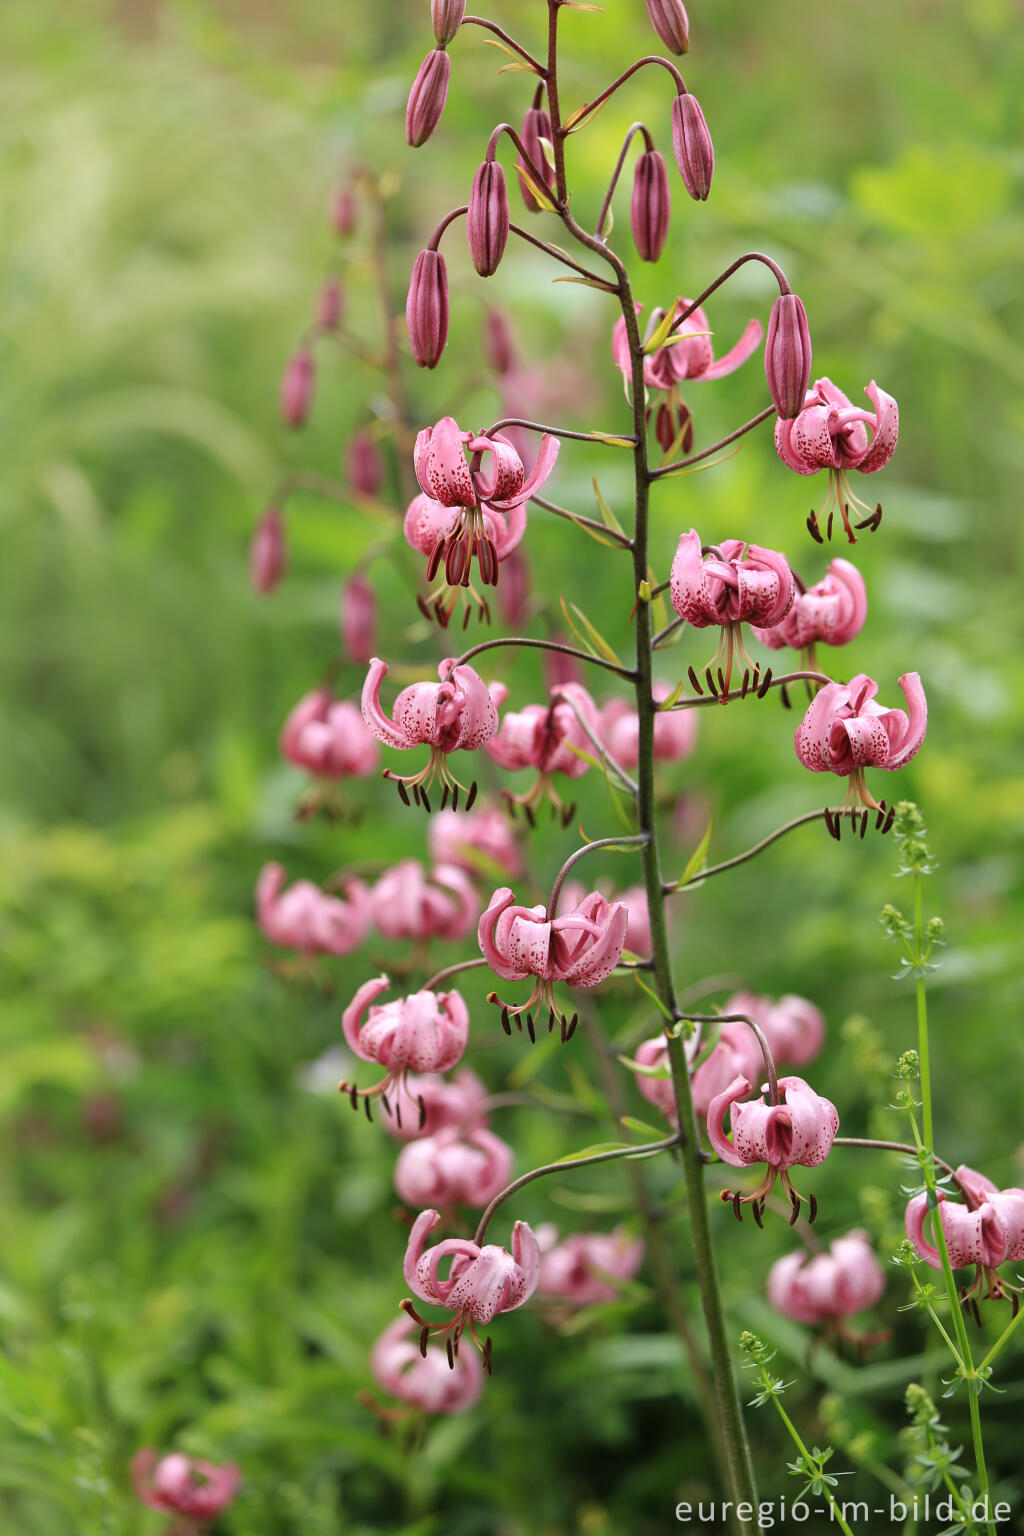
{"x":352,"y":1018}
{"x":815,"y":1121}
{"x":917,"y":1210}
{"x":526,"y":1252}
{"x":688,"y":585}
{"x":737,"y":354}
{"x":450,"y":482}
{"x":500,"y":902}
{"x":377,"y":721}
{"x":914,"y":724}
{"x":717,"y":1109}
{"x":805,"y":443}
{"x":597,"y":961}
{"x":886,"y":432}
{"x":547,"y":454}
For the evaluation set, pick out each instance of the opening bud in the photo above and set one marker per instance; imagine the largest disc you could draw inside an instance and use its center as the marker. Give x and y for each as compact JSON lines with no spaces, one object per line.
{"x":297,"y":388}
{"x":536,"y":126}
{"x":426,"y":308}
{"x":651,"y":205}
{"x":787,"y":355}
{"x":487,"y":219}
{"x":695,"y":153}
{"x":428,"y":97}
{"x":670,"y":21}
{"x":446,"y":16}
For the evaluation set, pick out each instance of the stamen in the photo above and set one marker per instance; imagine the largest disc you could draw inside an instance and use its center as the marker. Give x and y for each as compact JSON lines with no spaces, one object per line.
{"x":691,"y":674}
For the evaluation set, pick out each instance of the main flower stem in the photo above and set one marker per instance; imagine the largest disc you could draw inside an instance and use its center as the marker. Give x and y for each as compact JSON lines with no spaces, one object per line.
{"x":739,"y":1466}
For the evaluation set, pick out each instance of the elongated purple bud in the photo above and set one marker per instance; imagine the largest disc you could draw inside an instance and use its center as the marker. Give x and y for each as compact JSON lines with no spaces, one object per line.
{"x":787,"y":355}
{"x":426,"y":308}
{"x":267,"y":555}
{"x":487,"y":219}
{"x":499,"y":347}
{"x":358,"y":619}
{"x":428,"y":97}
{"x":670,"y":21}
{"x":536,"y":126}
{"x":344,"y":210}
{"x":446,"y":16}
{"x":329,"y":305}
{"x":297,"y":388}
{"x":651,"y":205}
{"x":695,"y":153}
{"x":363,"y":462}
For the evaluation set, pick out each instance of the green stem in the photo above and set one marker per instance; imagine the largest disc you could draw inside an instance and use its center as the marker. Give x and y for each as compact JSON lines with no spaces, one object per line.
{"x":794,"y":1435}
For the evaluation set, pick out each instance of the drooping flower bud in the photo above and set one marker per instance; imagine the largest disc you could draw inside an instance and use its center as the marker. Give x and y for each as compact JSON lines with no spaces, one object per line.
{"x":358,"y":618}
{"x":487,"y":218}
{"x":651,"y":205}
{"x":447,"y":16}
{"x":536,"y":126}
{"x":344,"y":210}
{"x":787,"y":355}
{"x":329,"y":305}
{"x":670,"y":21}
{"x":499,"y":348}
{"x":428,"y":97}
{"x":267,"y":551}
{"x":426,"y":308}
{"x":363,"y":462}
{"x":695,"y":153}
{"x":297,"y":388}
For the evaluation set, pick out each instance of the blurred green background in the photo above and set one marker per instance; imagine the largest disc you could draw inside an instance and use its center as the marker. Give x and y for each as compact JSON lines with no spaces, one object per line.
{"x":197,"y":1250}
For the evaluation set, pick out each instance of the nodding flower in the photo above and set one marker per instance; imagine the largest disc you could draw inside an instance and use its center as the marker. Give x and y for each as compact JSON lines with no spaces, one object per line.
{"x":409,"y":903}
{"x":424,"y":1381}
{"x":827,"y":1287}
{"x":460,"y":1101}
{"x":832,"y":611}
{"x":987,"y":1230}
{"x":579,"y":949}
{"x":798,"y":1130}
{"x":482,"y":842}
{"x":844,"y":732}
{"x":793,"y":1027}
{"x":548,"y":738}
{"x":675,"y":730}
{"x":328,"y":737}
{"x":587,"y":1268}
{"x":309,"y":919}
{"x":832,"y":433}
{"x":735,"y":1052}
{"x":183,"y":1485}
{"x":730,"y":584}
{"x":423,"y":1032}
{"x":429,"y":525}
{"x":457,"y":714}
{"x":470,"y":492}
{"x":453,"y":1167}
{"x":481,"y":1281}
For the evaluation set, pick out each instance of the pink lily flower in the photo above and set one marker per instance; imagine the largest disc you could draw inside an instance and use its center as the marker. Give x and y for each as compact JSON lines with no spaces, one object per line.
{"x":429,"y":525}
{"x":798,"y":1130}
{"x":424,"y":1381}
{"x":544,"y":737}
{"x":480,"y":842}
{"x":794,"y":1028}
{"x":735,"y":1052}
{"x":453,"y":1167}
{"x":675,"y":732}
{"x":658,"y":1090}
{"x":481,"y":1282}
{"x":587,"y":1268}
{"x":458,"y":714}
{"x":844,"y":732}
{"x":638,"y":925}
{"x":197,"y":1490}
{"x":690,"y":357}
{"x":733,"y":584}
{"x":308,"y":919}
{"x":831,"y":433}
{"x":833,"y":611}
{"x":410,"y":904}
{"x":580,"y":949}
{"x":423,"y":1032}
{"x":327,"y":737}
{"x":987,"y":1230}
{"x":466,"y":488}
{"x":829,"y":1286}
{"x":442,"y":1102}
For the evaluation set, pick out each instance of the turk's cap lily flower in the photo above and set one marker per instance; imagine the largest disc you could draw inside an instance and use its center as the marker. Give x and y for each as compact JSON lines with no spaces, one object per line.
{"x":424,"y":1381}
{"x":736,"y":1053}
{"x":308,"y":919}
{"x":793,"y":1027}
{"x":844,"y":731}
{"x":183,"y":1485}
{"x":638,"y":928}
{"x":457,"y":714}
{"x":480,"y":842}
{"x":832,"y":433}
{"x":833,"y":611}
{"x":547,"y":738}
{"x":828,"y":1286}
{"x":798,"y":1130}
{"x":692,"y":356}
{"x":429,"y":523}
{"x":735,"y":583}
{"x":482,"y":1280}
{"x":987,"y":1231}
{"x":423,"y":1032}
{"x":675,"y":731}
{"x":440,"y":462}
{"x":442,"y":1102}
{"x":587,"y":1268}
{"x":409,"y":903}
{"x":328,"y":737}
{"x":453,"y":1167}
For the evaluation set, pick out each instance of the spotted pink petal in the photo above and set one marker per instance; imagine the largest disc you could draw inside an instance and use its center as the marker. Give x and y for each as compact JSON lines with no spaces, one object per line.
{"x":426,"y":521}
{"x":886,"y":430}
{"x":376,"y":720}
{"x":717,"y":1110}
{"x":547,"y":455}
{"x":738,"y":353}
{"x":447,"y":473}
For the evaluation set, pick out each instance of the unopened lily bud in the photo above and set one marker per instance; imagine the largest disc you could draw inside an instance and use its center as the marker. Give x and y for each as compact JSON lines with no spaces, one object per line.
{"x":365,"y":470}
{"x":787,"y":355}
{"x":329,"y":305}
{"x":344,"y":210}
{"x":358,"y":618}
{"x":446,"y":16}
{"x":499,"y":348}
{"x":649,"y":211}
{"x":695,"y":153}
{"x":536,"y":126}
{"x":428,"y":97}
{"x":267,"y":554}
{"x":670,"y":21}
{"x":487,"y":218}
{"x":426,"y":308}
{"x":297,"y":388}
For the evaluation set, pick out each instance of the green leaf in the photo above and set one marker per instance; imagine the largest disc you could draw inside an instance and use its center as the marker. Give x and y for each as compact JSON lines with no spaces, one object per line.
{"x":579,"y":118}
{"x":519,"y":63}
{"x":590,"y":638}
{"x":547,"y":149}
{"x":698,"y":469}
{"x":610,"y":441}
{"x":642,"y":1128}
{"x":655,"y":999}
{"x":587,"y":282}
{"x":595,"y":1150}
{"x":698,"y":857}
{"x":661,"y":1072}
{"x":609,"y":223}
{"x":541,"y":196}
{"x":607,"y":515}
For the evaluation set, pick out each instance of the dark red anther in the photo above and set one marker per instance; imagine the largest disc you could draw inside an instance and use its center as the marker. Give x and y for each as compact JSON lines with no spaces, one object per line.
{"x":813,"y":529}
{"x":530,"y":817}
{"x":506,"y":1026}
{"x":366,"y":1106}
{"x":794,"y":1199}
{"x":471,"y":796}
{"x":451,"y":1355}
{"x":424,"y":1337}
{"x":572,"y":1027}
{"x":784,"y":697}
{"x":402,"y":792}
{"x":757,"y":1211}
{"x":530,"y":1029}
{"x":426,"y":802}
{"x":691,"y":674}
{"x":812,"y":1201}
{"x":737,"y":1206}
{"x":710,"y":682}
{"x":551,"y":1020}
{"x":435,"y":558}
{"x":863,"y":825}
{"x":766,"y":683}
